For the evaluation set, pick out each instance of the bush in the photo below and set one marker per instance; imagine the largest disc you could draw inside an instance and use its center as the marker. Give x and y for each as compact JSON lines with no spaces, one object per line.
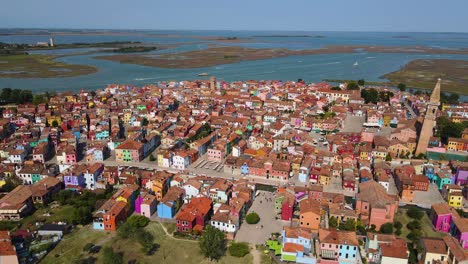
{"x":239,"y":249}
{"x":398,"y":232}
{"x":414,"y":235}
{"x":414,"y":225}
{"x":397,"y":225}
{"x":152,"y":158}
{"x":137,"y":221}
{"x":88,"y":247}
{"x":333,"y":222}
{"x":252,"y":218}
{"x":415,"y":213}
{"x":386,"y":228}
{"x":111,"y":257}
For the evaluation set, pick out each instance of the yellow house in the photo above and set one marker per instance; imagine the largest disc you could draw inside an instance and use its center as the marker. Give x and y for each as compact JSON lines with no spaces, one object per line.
{"x":51,"y":120}
{"x":127,"y":117}
{"x":2,"y":182}
{"x":455,"y":199}
{"x":324,"y":180}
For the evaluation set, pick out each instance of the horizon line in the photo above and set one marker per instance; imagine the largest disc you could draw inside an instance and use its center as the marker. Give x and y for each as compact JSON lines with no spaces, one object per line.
{"x":244,"y":30}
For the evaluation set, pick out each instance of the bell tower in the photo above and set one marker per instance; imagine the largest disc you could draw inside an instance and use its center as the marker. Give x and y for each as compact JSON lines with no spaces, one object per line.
{"x":429,"y":120}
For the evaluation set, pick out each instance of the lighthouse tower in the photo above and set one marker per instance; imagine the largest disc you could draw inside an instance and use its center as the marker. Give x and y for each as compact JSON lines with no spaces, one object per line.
{"x":51,"y":41}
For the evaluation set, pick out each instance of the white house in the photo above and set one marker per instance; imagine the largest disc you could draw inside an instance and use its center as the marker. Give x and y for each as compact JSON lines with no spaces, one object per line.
{"x":16,"y":156}
{"x":223,"y":219}
{"x":192,"y":189}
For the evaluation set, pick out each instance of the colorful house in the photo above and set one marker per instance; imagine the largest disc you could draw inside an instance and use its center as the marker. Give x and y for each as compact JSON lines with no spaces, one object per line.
{"x":127,"y":195}
{"x":309,"y":215}
{"x":145,"y":204}
{"x":374,"y":205}
{"x":129,"y":151}
{"x":110,"y":215}
{"x":337,"y":245}
{"x":459,"y":230}
{"x":441,"y":215}
{"x":194,"y":215}
{"x":297,"y":245}
{"x":170,"y":203}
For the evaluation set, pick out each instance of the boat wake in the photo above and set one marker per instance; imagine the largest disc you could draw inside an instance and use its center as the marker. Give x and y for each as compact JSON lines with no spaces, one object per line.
{"x":331,"y":63}
{"x":144,"y":79}
{"x":370,"y":57}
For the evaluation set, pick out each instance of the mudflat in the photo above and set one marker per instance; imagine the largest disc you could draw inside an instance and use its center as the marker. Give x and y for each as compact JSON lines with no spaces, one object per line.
{"x":217,"y":55}
{"x":424,"y":73}
{"x":39,"y":66}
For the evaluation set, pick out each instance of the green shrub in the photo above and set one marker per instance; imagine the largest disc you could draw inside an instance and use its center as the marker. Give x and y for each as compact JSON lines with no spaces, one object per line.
{"x":252,"y":218}
{"x":414,"y":225}
{"x":137,"y":221}
{"x":239,"y":249}
{"x":386,"y":228}
{"x":397,"y":225}
{"x":88,"y":246}
{"x":415,"y":213}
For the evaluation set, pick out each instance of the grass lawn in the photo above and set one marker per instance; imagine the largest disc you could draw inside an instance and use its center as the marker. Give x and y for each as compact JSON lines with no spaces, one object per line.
{"x":71,"y":247}
{"x":170,"y":227}
{"x":60,"y":213}
{"x":39,"y":66}
{"x":426,"y":225}
{"x":169,"y":251}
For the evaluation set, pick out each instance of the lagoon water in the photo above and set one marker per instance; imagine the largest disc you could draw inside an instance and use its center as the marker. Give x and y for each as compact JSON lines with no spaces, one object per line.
{"x":312,"y":68}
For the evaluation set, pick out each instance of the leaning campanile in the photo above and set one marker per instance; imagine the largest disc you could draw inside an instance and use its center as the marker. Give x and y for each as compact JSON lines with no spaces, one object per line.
{"x":429,"y":120}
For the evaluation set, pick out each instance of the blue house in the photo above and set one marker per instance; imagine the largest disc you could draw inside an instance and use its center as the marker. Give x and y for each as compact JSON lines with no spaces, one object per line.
{"x":103,"y":134}
{"x":430,"y":173}
{"x":348,"y":252}
{"x":170,"y":203}
{"x":245,"y":168}
{"x":297,"y":245}
{"x":442,"y":178}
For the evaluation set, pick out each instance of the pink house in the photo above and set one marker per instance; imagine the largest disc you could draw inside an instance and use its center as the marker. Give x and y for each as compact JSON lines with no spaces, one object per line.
{"x":374,"y":205}
{"x":216,"y":154}
{"x":145,"y":204}
{"x":441,"y":215}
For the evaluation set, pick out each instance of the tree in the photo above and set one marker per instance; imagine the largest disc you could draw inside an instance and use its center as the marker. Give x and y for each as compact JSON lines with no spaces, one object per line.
{"x":325,"y":108}
{"x":213,"y":243}
{"x":413,"y":225}
{"x":414,"y":235}
{"x":352,"y":86}
{"x":252,"y":218}
{"x":239,"y":249}
{"x":372,"y":228}
{"x":370,"y":95}
{"x":332,"y":222}
{"x":144,"y":122}
{"x":151,"y":157}
{"x":336,"y":88}
{"x":386,"y":228}
{"x":350,"y":225}
{"x":11,"y":183}
{"x":402,"y":87}
{"x":388,"y":157}
{"x":397,"y":225}
{"x":111,"y":257}
{"x":361,"y":82}
{"x":415,"y":213}
{"x":55,"y":123}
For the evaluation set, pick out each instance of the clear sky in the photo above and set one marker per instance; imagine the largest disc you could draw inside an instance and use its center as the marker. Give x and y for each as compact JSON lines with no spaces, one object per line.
{"x":306,"y":15}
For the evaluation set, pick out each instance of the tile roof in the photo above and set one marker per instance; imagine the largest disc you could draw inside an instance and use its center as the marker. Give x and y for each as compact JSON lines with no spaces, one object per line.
{"x":333,"y":236}
{"x":374,"y":193}
{"x":397,"y":249}
{"x":435,"y":245}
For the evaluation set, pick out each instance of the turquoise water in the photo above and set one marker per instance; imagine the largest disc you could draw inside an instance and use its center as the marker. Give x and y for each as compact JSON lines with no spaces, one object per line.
{"x":310,"y":68}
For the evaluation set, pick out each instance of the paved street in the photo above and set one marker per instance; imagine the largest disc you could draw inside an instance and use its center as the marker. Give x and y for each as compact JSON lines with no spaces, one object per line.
{"x":353,"y":123}
{"x":264,"y":207}
{"x":426,"y":199}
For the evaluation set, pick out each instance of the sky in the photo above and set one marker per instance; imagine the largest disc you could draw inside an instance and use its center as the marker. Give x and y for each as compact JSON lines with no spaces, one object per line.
{"x":276,"y":15}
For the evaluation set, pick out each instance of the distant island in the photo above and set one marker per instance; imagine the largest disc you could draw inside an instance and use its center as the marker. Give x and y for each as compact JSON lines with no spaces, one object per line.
{"x":287,"y":36}
{"x":133,"y":49}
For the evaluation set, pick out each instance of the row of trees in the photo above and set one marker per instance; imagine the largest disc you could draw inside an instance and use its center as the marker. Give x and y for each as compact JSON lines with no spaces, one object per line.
{"x":373,"y":96}
{"x":21,"y":96}
{"x":447,"y":128}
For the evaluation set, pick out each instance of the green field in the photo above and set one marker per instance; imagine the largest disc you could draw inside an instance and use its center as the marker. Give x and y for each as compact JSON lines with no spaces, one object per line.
{"x":424,"y":74}
{"x":70,"y":249}
{"x":48,"y":215}
{"x":169,"y":251}
{"x":39,"y":66}
{"x":426,"y":225}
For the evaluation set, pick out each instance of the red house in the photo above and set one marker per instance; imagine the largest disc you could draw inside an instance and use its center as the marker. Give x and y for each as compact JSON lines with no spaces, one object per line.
{"x":194,"y":215}
{"x":420,"y":182}
{"x":115,"y":216}
{"x":287,"y":208}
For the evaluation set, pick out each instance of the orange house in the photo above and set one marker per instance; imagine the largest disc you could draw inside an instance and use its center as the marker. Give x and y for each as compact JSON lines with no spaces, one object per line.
{"x":374,"y":205}
{"x":115,"y":216}
{"x":309,"y":214}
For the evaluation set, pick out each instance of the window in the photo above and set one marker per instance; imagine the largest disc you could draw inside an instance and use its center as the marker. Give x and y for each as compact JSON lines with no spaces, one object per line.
{"x":347,"y":247}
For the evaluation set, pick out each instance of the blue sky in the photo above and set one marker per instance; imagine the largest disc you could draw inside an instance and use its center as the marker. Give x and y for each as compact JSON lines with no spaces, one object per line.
{"x":306,"y":15}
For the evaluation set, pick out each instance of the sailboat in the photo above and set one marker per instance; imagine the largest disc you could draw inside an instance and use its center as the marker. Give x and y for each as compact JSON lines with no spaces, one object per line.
{"x":356,"y":64}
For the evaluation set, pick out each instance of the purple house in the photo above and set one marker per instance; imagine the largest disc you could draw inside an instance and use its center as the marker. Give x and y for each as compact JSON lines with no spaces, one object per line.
{"x":145,"y":204}
{"x":74,"y":181}
{"x":441,"y":215}
{"x":459,"y":230}
{"x":461,"y":176}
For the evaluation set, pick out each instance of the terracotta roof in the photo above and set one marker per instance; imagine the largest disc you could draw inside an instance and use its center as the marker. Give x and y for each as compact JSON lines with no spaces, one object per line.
{"x":435,"y":245}
{"x":374,"y":193}
{"x":397,"y":249}
{"x":130,"y":144}
{"x":458,"y":252}
{"x":198,"y":206}
{"x":333,"y":236}
{"x":296,"y":232}
{"x":441,"y":208}
{"x":292,"y":247}
{"x":16,"y":198}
